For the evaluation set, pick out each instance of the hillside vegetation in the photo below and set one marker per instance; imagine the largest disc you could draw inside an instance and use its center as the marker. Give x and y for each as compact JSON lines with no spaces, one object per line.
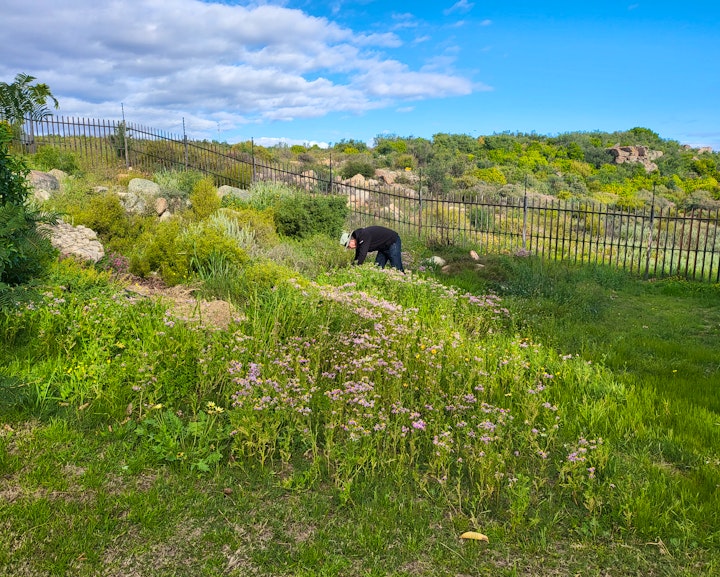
{"x":568,"y":165}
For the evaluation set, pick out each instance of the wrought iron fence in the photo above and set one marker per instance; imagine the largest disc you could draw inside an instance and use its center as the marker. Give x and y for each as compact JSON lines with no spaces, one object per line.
{"x":653,"y":242}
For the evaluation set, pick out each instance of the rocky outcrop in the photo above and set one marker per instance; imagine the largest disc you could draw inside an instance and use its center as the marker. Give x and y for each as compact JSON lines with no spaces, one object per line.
{"x":699,"y":150}
{"x":639,"y":154}
{"x":75,"y":241}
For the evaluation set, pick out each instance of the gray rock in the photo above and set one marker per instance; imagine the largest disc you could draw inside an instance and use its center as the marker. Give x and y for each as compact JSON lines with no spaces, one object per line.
{"x":142,"y":186}
{"x":43,"y":181}
{"x":132,"y":202}
{"x":77,"y":241}
{"x":59,"y":174}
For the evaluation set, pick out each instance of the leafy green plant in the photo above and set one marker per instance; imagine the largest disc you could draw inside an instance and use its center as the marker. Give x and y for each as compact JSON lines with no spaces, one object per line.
{"x":353,"y":167}
{"x":156,"y":250}
{"x":204,"y":199}
{"x":25,"y":250}
{"x":50,"y":157}
{"x":104,"y":214}
{"x":304,"y":215}
{"x":198,"y":441}
{"x":177,"y":183}
{"x":243,"y":221}
{"x":20,"y":98}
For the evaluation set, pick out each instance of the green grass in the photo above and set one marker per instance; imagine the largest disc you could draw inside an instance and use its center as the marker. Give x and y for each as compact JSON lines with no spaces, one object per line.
{"x":326,"y":431}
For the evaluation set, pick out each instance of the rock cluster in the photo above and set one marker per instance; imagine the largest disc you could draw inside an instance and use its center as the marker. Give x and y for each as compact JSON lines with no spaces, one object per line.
{"x":640,"y":154}
{"x":145,"y":197}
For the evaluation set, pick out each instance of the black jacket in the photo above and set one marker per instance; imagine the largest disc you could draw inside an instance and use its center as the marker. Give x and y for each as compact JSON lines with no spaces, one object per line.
{"x":372,"y":238}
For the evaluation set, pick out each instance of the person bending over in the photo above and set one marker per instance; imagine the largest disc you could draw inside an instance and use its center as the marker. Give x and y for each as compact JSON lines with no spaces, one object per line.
{"x":375,"y":238}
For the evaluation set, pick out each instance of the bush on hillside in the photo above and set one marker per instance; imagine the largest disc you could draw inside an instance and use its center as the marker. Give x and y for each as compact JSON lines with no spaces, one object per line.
{"x":179,"y":254}
{"x":204,"y":199}
{"x":353,"y":167}
{"x":105,"y":215}
{"x":305,"y":215}
{"x":260,"y":222}
{"x":50,"y":157}
{"x":177,"y":183}
{"x":24,"y":251}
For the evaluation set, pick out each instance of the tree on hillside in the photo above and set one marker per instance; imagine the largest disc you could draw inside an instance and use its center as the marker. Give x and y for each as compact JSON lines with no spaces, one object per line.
{"x":22,"y":99}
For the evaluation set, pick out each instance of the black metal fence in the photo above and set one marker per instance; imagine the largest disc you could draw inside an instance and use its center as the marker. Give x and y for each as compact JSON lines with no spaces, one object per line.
{"x":653,"y":241}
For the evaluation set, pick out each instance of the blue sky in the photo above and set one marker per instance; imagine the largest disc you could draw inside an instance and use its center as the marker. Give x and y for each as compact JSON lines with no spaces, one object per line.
{"x":305,"y":71}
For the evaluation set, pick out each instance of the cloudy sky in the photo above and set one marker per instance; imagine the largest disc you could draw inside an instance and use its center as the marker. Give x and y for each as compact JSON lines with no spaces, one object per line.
{"x":305,"y":71}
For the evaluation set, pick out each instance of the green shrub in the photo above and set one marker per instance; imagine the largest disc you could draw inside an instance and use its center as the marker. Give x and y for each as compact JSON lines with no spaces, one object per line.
{"x":310,"y":256}
{"x":177,"y":183}
{"x":49,"y":157}
{"x":260,"y":222}
{"x":260,"y":276}
{"x":265,"y":195}
{"x":353,"y":167}
{"x":155,"y":247}
{"x":104,"y":214}
{"x":202,"y":242}
{"x":204,"y":199}
{"x":305,"y":215}
{"x":180,"y":255}
{"x":404,"y":161}
{"x":24,"y":251}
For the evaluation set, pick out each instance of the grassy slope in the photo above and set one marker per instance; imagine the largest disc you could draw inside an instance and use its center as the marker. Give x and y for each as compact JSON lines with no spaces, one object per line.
{"x":78,"y":513}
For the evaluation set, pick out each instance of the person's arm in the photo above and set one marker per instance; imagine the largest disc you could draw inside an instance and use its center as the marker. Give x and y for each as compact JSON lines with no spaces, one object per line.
{"x":361,"y":250}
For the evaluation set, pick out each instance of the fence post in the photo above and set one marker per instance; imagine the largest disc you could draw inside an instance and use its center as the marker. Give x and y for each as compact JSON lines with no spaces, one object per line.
{"x":185,"y":145}
{"x":331,"y":183}
{"x":252,"y":157}
{"x":125,"y":136}
{"x":525,"y":211}
{"x":650,"y":235}
{"x":420,"y":204}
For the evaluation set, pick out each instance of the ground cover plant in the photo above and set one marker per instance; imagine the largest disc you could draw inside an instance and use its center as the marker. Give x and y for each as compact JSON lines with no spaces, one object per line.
{"x":359,"y":422}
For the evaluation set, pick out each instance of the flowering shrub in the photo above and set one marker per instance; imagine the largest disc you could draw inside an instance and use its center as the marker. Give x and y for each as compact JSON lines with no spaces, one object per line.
{"x":455,"y":406}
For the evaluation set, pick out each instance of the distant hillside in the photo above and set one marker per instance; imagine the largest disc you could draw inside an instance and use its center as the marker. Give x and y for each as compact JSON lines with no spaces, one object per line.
{"x":621,"y":168}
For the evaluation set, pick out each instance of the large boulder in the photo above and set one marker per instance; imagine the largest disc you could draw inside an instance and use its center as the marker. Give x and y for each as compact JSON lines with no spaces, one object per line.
{"x":42,"y":184}
{"x":77,"y":241}
{"x":144,"y":187}
{"x":140,"y":196}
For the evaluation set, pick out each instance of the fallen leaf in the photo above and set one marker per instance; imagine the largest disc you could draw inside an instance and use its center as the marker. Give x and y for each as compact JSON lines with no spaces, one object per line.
{"x":474,"y":535}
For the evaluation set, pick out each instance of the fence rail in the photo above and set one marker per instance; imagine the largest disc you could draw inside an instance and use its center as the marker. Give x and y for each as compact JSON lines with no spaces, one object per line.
{"x":653,"y":242}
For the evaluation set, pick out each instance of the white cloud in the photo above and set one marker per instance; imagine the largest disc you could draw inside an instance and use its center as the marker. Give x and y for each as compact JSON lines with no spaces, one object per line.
{"x":210,"y":63}
{"x":460,"y":6}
